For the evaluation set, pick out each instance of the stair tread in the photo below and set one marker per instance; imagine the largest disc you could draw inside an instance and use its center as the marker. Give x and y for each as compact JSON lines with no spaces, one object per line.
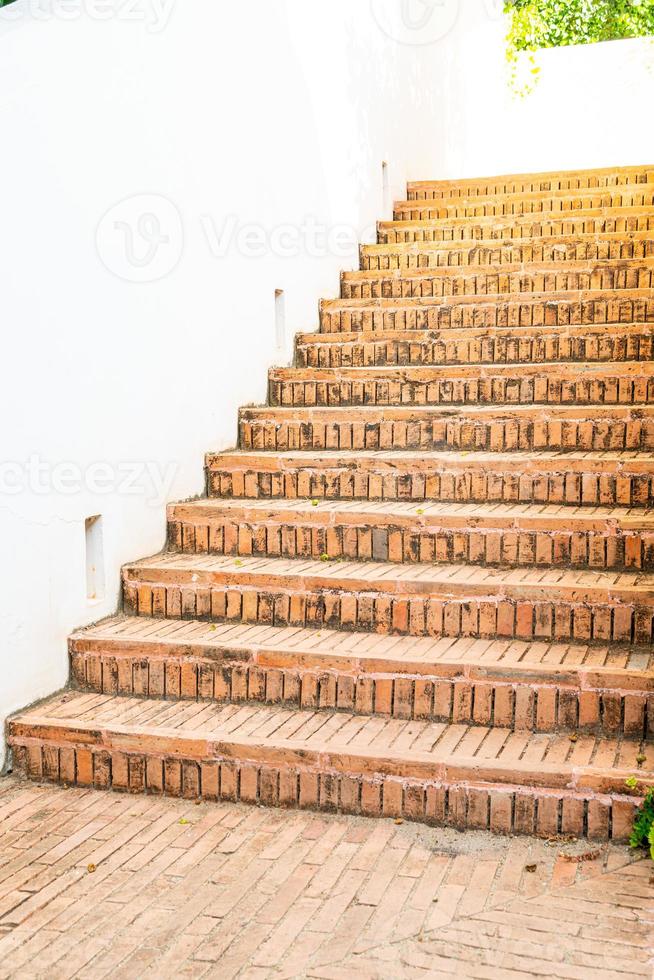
{"x":456,"y":333}
{"x":537,"y":217}
{"x":491,"y":299}
{"x":452,"y":579}
{"x":574,"y":368}
{"x":376,"y":413}
{"x":509,"y":268}
{"x":563,"y":662}
{"x":555,"y":194}
{"x":464,"y":514}
{"x":350,"y":742}
{"x":580,"y":238}
{"x":518,"y":457}
{"x":542,"y":175}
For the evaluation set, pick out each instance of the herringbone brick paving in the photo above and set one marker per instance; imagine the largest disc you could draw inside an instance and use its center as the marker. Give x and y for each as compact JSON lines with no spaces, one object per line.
{"x":117,"y":886}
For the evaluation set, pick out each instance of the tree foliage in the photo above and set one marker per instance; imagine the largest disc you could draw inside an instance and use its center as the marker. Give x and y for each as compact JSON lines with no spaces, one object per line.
{"x":643,"y":832}
{"x":536,"y":24}
{"x":556,"y":23}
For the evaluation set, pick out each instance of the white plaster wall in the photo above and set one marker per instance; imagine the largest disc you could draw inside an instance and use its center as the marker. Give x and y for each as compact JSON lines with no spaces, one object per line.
{"x":592,"y":106}
{"x":260,"y":111}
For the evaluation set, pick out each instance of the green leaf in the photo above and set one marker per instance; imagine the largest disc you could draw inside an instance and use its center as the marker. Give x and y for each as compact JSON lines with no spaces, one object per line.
{"x":643,"y":822}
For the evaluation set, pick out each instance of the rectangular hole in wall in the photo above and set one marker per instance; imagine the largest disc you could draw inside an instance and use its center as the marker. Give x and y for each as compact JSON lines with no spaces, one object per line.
{"x":280,"y":318}
{"x":94,"y":558}
{"x":386,"y":189}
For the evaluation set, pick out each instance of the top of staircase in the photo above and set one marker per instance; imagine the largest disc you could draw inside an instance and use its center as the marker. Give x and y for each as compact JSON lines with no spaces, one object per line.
{"x":636,"y":173}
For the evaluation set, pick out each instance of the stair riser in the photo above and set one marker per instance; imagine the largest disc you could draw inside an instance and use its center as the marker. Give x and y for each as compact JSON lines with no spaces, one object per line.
{"x":503,"y":809}
{"x":483,"y":284}
{"x":538,"y":204}
{"x":454,"y":230}
{"x":521,"y":707}
{"x":337,"y":317}
{"x":384,"y":542}
{"x":412,"y":614}
{"x":388,"y":258}
{"x":550,"y":389}
{"x":636,"y":346}
{"x":460,"y":485}
{"x":468,"y":435}
{"x":531,"y":183}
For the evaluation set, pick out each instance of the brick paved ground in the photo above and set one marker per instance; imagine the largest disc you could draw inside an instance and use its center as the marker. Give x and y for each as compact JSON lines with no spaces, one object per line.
{"x":180,"y":890}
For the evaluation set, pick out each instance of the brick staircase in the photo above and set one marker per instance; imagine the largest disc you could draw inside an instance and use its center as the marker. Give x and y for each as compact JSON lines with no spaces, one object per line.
{"x":423,"y":585}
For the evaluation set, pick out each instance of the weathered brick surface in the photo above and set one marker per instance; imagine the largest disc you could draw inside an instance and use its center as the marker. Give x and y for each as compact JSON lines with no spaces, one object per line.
{"x":484,"y":602}
{"x":600,"y":221}
{"x":215,"y":754}
{"x":227,"y":890}
{"x":422,"y":587}
{"x":590,"y":308}
{"x":623,"y":246}
{"x":511,"y":536}
{"x":470,"y":428}
{"x":496,"y":280}
{"x":540,"y":478}
{"x":559,"y":384}
{"x":503,"y":346}
{"x":556,"y":704}
{"x":568,"y":181}
{"x":558,"y":202}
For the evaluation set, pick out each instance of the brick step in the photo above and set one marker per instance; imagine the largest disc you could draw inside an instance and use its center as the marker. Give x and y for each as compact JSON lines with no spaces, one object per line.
{"x":508,"y":535}
{"x":473,"y":428}
{"x":419,"y":600}
{"x":627,"y":193}
{"x":526,"y":183}
{"x":624,"y":479}
{"x":545,"y":383}
{"x":557,"y":277}
{"x":547,"y":203}
{"x":466,"y":776}
{"x":593,"y":221}
{"x":498,"y":310}
{"x":495,"y":345}
{"x":508,"y":683}
{"x":618,"y":246}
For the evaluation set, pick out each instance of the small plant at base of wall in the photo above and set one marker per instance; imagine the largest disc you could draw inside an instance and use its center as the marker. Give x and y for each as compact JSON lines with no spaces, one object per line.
{"x":642,"y":834}
{"x":537,"y":24}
